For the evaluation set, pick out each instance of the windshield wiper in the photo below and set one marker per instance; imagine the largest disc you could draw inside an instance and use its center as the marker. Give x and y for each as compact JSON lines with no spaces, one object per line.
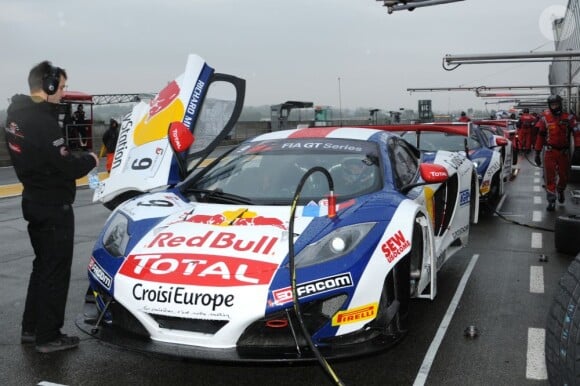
{"x":219,"y":195}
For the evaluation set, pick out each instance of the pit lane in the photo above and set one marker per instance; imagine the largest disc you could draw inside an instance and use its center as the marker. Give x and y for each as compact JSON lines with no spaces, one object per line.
{"x":506,"y":298}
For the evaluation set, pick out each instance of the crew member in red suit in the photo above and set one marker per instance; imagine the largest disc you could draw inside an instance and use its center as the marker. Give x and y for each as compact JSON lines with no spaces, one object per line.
{"x":464,"y":117}
{"x":554,"y":129}
{"x":525,"y":124}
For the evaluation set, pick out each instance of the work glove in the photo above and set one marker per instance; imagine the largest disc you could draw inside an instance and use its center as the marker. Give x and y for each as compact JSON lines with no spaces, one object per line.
{"x":538,"y":160}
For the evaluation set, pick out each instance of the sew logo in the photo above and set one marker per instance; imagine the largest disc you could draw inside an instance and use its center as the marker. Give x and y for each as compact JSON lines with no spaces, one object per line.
{"x":355,"y":315}
{"x":197,"y":269}
{"x":395,"y":246}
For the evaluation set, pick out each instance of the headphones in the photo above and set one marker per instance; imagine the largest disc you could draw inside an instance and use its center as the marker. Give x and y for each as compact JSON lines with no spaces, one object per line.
{"x":51,"y":80}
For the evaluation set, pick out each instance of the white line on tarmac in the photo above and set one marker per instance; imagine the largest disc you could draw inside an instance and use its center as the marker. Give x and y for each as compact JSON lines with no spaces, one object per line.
{"x":536,"y":180}
{"x":536,"y":240}
{"x":537,"y":279}
{"x":536,"y":188}
{"x":45,"y":383}
{"x":536,"y":173}
{"x":432,"y":352}
{"x":536,"y":359}
{"x":536,"y":216}
{"x":537,"y":200}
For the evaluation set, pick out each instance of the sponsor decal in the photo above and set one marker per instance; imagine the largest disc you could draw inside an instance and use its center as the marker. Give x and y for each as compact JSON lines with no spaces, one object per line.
{"x":461,"y":230}
{"x":163,"y":99}
{"x":321,"y":145}
{"x":484,"y":188}
{"x":121,"y":148}
{"x":261,"y":244}
{"x":454,"y":161}
{"x":240,"y":217}
{"x":464,"y":197}
{"x":284,"y":295}
{"x":394,"y":246}
{"x":197,"y":269}
{"x":100,"y":274}
{"x":355,"y":315}
{"x":180,"y":296}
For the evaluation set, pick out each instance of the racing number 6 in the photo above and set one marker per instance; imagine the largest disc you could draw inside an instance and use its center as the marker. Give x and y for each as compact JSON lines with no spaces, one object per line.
{"x":140,"y":164}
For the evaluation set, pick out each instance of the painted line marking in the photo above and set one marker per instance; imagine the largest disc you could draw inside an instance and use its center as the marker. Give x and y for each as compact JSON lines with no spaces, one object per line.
{"x":536,"y":173}
{"x":45,"y":383}
{"x":536,"y":240}
{"x":500,"y":204}
{"x":537,"y":200}
{"x":536,"y":189}
{"x":536,"y":180}
{"x":432,"y":352}
{"x":536,"y":279}
{"x":536,"y":216}
{"x":536,"y":359}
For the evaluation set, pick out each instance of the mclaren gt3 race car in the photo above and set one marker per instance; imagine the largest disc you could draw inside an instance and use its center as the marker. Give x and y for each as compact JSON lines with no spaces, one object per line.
{"x":333,"y":229}
{"x":491,"y":154}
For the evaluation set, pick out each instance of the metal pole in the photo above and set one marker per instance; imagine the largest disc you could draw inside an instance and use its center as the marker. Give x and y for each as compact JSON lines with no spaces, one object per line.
{"x":339,"y":101}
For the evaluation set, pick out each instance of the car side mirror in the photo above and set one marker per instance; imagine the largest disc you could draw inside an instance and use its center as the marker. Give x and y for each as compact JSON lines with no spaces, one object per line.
{"x":180,"y":139}
{"x":431,"y":174}
{"x":501,"y":141}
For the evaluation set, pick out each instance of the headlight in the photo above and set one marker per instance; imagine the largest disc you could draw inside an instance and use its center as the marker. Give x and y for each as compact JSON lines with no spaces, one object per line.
{"x":116,"y":236}
{"x":334,"y":245}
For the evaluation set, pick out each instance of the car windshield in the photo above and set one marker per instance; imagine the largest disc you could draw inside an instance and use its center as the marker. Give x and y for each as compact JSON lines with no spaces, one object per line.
{"x":268,"y":172}
{"x":430,"y":141}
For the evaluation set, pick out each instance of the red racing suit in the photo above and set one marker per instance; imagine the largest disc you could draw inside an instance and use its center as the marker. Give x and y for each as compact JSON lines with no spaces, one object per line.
{"x":554,"y":133}
{"x":525,"y":124}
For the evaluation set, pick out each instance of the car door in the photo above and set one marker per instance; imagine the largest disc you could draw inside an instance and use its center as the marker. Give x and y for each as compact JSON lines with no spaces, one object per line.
{"x":207,"y":103}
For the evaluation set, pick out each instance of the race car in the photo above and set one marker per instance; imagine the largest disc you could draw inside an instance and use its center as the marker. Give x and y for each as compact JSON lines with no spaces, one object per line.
{"x":506,"y":128}
{"x":314,"y":235}
{"x":493,"y":163}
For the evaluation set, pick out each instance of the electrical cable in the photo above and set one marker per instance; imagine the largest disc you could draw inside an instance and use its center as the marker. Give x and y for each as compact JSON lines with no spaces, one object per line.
{"x":519,"y":223}
{"x":292,"y":266}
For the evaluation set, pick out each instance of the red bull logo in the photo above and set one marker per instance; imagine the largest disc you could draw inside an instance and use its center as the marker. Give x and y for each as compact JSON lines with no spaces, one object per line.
{"x":240,"y":217}
{"x":163,"y":99}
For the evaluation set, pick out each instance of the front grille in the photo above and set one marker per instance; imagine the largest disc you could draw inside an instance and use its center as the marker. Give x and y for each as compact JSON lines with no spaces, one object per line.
{"x":186,"y":324}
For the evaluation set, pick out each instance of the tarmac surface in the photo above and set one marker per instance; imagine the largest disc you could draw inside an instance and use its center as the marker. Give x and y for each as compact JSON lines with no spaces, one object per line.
{"x":499,"y":287}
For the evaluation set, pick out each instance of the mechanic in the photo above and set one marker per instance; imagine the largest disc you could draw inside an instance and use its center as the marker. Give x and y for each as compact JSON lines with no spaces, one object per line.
{"x":110,"y":142}
{"x":554,"y":129}
{"x":525,"y":123}
{"x":464,"y":117}
{"x":79,"y":125}
{"x":47,"y":170}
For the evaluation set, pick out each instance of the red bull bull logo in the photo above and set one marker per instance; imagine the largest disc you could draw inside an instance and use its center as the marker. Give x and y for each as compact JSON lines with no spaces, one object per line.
{"x":240,"y":217}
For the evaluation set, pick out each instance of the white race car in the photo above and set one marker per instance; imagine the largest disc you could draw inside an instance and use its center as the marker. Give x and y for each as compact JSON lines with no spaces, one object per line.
{"x":310,"y":236}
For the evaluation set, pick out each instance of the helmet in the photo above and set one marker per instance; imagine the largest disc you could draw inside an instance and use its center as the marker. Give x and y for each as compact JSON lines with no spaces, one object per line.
{"x":555,"y":104}
{"x":463,"y":114}
{"x":526,"y":111}
{"x":353,"y":169}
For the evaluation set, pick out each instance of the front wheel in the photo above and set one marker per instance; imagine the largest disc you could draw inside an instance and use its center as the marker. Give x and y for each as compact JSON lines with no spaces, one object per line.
{"x":563,"y":330}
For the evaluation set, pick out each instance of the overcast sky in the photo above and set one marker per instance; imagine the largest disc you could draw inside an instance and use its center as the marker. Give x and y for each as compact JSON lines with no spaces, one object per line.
{"x":286,"y":50}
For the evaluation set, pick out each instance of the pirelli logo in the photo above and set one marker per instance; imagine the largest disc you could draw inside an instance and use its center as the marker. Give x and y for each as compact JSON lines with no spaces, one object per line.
{"x":359,"y":314}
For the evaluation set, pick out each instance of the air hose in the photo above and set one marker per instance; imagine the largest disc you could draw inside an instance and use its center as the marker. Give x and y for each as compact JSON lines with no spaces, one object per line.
{"x":292,"y":266}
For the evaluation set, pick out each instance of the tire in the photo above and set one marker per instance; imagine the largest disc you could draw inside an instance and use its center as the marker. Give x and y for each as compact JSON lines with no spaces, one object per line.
{"x":396,"y":295}
{"x":562,"y":333}
{"x":566,"y":230}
